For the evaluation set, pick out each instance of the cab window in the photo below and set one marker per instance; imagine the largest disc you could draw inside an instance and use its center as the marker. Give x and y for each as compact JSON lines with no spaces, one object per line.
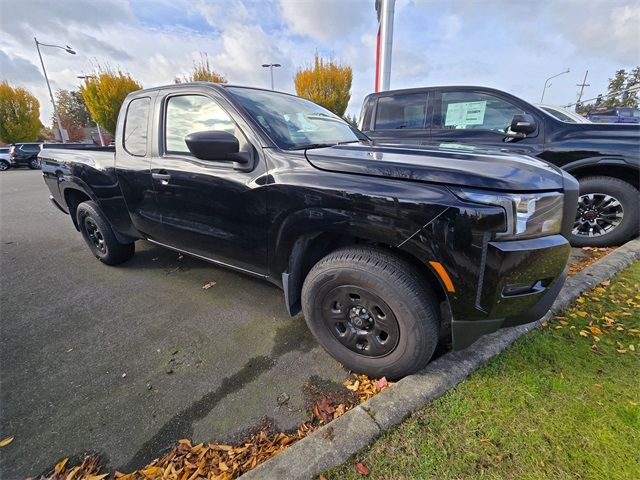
{"x":187,"y":114}
{"x":135,"y":126}
{"x":401,"y":112}
{"x":476,"y":111}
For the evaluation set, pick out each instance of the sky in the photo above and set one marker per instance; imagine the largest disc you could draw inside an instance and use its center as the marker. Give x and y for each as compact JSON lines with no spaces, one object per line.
{"x":505,"y":44}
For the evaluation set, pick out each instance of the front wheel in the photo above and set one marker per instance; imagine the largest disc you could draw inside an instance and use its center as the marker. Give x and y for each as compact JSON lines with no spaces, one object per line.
{"x":99,"y":236}
{"x":607,"y":212}
{"x":4,"y":165}
{"x":372,"y":311}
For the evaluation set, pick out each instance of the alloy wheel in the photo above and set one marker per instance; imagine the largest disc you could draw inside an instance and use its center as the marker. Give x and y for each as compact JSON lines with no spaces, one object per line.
{"x":597,"y":215}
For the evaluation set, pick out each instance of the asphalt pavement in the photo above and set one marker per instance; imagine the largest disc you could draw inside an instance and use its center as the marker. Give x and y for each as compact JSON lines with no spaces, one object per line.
{"x":123,"y":361}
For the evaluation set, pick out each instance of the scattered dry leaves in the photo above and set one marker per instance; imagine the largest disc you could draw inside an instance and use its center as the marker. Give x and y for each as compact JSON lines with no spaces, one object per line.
{"x":226,"y":462}
{"x":594,"y":253}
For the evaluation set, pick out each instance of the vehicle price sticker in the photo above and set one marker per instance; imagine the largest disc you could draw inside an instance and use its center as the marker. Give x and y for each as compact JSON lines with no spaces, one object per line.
{"x":465,"y":113}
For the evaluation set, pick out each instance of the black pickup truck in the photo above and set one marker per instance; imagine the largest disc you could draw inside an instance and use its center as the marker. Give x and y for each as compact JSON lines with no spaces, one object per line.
{"x":605,"y":158}
{"x":372,"y":243}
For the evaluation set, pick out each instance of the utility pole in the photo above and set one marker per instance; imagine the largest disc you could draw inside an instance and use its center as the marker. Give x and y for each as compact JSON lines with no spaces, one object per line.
{"x":582,"y":85}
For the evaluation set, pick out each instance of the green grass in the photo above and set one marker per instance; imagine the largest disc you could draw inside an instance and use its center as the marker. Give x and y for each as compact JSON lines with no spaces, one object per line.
{"x":558,"y":404}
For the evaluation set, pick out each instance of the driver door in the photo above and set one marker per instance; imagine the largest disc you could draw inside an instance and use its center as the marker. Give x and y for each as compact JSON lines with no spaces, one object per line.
{"x":208,"y":208}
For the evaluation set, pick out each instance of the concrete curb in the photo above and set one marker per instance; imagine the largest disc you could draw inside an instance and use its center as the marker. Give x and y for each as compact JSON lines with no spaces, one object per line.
{"x":334,"y":443}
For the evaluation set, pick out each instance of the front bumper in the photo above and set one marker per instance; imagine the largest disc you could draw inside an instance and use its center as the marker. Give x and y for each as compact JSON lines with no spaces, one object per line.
{"x":519,"y":282}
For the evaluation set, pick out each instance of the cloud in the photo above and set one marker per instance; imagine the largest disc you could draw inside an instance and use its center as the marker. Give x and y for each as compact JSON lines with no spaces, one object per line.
{"x":326,"y":20}
{"x":18,"y":70}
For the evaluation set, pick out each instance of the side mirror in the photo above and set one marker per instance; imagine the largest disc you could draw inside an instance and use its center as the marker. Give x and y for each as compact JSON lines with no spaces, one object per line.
{"x":213,"y":145}
{"x":523,"y":123}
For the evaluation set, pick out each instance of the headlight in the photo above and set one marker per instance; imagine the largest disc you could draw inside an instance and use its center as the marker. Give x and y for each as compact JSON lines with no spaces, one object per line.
{"x":528,"y":215}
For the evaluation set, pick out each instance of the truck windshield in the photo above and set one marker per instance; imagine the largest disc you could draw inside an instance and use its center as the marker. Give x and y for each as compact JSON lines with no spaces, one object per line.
{"x":294,"y":123}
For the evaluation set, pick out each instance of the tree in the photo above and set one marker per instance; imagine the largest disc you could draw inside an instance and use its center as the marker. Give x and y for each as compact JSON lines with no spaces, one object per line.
{"x":616,"y":84}
{"x":19,"y":115}
{"x":202,"y":72}
{"x":73,"y":114}
{"x":351,"y":119}
{"x":326,"y":83}
{"x":630,"y":95}
{"x":104,"y":93}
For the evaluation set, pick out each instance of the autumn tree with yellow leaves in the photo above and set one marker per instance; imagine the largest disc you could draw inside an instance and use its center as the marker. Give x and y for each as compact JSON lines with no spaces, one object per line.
{"x":104,"y":93}
{"x":202,"y":72}
{"x":326,"y":83}
{"x":19,"y":114}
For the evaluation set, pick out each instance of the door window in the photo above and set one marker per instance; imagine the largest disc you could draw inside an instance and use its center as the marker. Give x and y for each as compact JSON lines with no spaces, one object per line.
{"x":135,"y":126}
{"x":401,"y":111}
{"x":477,"y":111}
{"x":193,"y":113}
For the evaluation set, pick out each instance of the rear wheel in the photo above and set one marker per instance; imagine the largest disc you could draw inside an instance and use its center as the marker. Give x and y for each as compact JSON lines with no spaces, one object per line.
{"x":372,"y":311}
{"x":607,"y":212}
{"x":4,"y":165}
{"x":99,"y":236}
{"x":34,"y":164}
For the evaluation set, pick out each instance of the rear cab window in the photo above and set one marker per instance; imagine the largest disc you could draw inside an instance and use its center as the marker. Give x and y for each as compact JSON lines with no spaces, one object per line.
{"x":407,"y":111}
{"x":136,"y":127}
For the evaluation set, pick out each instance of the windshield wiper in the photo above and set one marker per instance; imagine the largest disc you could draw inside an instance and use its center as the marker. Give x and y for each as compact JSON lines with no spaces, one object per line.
{"x":312,"y":145}
{"x":322,"y":145}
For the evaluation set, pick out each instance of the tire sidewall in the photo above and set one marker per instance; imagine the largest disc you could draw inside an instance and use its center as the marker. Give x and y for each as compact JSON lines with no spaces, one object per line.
{"x":412,"y":325}
{"x":627,"y":195}
{"x":34,"y":164}
{"x":87,"y":211}
{"x":5,"y":164}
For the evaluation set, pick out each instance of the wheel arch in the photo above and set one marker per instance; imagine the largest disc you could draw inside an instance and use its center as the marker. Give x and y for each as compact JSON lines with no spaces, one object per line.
{"x":310,"y":247}
{"x":73,"y":197}
{"x":614,"y":168}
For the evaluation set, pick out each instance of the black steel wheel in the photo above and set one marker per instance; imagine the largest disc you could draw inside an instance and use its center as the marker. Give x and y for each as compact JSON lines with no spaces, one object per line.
{"x":99,"y":235}
{"x":607,"y":212}
{"x":372,"y":311}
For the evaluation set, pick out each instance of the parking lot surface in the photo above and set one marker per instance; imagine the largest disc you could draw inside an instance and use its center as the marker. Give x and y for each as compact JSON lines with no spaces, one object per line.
{"x":124,"y":361}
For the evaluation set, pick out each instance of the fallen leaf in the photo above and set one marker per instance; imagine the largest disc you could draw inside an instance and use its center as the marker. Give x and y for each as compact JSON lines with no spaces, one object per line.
{"x":584,"y":333}
{"x":6,"y":441}
{"x":595,"y":330}
{"x":361,"y":469}
{"x":632,"y":347}
{"x":581,"y":314}
{"x":208,"y":285}
{"x":597,"y":385}
{"x":60,"y":466}
{"x":499,"y":458}
{"x":381,"y":384}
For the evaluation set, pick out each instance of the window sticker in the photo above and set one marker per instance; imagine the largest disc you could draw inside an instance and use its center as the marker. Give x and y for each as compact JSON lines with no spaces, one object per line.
{"x":465,"y":113}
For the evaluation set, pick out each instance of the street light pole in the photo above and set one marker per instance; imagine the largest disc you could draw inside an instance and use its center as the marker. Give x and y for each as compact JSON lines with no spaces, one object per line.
{"x":270,"y":66}
{"x":87,"y":77}
{"x":53,"y":102}
{"x":547,"y":81}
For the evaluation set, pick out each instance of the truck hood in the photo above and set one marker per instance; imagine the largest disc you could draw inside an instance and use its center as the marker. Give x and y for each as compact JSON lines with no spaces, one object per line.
{"x":455,"y":165}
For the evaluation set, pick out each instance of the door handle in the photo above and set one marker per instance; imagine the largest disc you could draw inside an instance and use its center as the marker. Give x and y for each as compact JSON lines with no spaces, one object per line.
{"x":163,"y":176}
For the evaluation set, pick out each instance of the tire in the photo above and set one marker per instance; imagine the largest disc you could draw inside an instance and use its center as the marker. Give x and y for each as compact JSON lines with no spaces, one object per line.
{"x":98,"y":234}
{"x":397,"y":332}
{"x":4,"y":165}
{"x":608,"y":212}
{"x":34,"y":164}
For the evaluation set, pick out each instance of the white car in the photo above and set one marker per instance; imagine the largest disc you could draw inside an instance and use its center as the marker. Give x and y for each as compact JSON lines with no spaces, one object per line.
{"x":5,"y":160}
{"x":563,"y":114}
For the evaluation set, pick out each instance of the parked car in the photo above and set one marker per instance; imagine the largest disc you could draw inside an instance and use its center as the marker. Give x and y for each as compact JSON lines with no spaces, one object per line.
{"x":615,"y":115}
{"x":368,"y":241}
{"x":562,"y":113}
{"x":25,"y":155}
{"x":5,"y":160}
{"x":604,"y":158}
